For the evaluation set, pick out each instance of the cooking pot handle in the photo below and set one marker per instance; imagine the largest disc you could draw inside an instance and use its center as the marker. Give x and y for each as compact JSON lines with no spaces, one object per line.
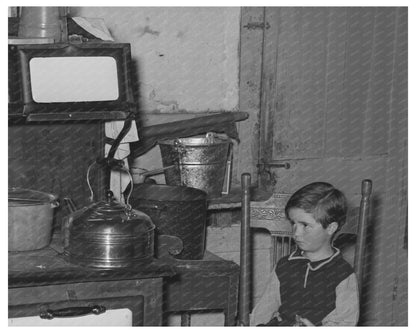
{"x":55,"y":203}
{"x":67,"y":220}
{"x":72,"y":312}
{"x":66,"y":224}
{"x":168,"y":246}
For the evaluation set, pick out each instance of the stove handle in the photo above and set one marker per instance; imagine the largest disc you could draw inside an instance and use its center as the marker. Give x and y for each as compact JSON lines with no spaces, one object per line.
{"x":72,"y":312}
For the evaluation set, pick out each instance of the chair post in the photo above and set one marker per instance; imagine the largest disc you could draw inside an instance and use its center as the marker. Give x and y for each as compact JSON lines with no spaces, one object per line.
{"x":245,"y":253}
{"x":359,"y":258}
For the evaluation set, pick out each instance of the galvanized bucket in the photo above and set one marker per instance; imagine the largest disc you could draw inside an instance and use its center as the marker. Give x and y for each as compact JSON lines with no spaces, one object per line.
{"x":200,"y":162}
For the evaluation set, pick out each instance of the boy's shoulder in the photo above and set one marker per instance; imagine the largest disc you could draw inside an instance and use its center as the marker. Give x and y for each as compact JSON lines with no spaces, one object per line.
{"x":340,"y":266}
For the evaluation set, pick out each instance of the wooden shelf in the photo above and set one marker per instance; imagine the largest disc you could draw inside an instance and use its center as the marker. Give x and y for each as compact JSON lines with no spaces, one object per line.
{"x":233,"y":199}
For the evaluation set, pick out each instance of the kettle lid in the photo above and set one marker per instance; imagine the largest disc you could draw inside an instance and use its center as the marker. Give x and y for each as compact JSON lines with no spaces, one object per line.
{"x":111,"y":217}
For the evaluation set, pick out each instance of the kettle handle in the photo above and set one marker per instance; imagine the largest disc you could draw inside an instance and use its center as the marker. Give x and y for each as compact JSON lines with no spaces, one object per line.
{"x":88,"y":181}
{"x":120,"y":169}
{"x":131,"y":187}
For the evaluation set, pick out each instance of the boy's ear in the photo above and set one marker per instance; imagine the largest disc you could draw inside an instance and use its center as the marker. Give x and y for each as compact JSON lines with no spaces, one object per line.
{"x":332,"y":228}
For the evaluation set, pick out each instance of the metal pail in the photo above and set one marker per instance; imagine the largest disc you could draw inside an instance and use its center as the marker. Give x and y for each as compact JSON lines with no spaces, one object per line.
{"x":200,"y":162}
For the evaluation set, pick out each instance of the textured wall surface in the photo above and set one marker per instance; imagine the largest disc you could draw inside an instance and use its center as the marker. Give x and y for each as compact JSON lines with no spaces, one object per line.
{"x":186,"y":58}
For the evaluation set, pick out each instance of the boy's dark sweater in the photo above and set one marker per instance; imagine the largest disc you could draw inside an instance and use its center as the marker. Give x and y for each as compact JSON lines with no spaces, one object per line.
{"x":308,"y":289}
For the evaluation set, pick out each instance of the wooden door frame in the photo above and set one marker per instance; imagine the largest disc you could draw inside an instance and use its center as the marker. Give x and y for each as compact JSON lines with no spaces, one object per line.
{"x":252,"y":28}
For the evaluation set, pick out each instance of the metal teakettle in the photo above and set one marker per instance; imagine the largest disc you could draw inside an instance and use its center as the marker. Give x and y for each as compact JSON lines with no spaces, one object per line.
{"x":107,"y":234}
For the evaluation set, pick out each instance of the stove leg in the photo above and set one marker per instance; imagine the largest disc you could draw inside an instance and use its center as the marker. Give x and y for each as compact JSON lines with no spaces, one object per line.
{"x":185,"y":319}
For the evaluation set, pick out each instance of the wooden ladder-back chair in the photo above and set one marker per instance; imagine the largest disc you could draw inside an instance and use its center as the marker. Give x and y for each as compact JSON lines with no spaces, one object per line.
{"x":270,"y":215}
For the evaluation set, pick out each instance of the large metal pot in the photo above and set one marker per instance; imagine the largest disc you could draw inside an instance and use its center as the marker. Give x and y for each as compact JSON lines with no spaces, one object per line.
{"x":178,"y":211}
{"x":108,"y":234}
{"x":30,"y":219}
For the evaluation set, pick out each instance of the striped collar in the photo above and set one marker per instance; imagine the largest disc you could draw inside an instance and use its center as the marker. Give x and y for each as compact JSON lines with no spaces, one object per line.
{"x":314,"y":265}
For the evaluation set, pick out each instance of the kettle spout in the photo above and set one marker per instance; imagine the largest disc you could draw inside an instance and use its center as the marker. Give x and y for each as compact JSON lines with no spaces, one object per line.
{"x":70,"y":204}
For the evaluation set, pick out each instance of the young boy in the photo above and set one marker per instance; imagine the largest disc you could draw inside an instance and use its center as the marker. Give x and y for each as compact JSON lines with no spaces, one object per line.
{"x":314,"y":285}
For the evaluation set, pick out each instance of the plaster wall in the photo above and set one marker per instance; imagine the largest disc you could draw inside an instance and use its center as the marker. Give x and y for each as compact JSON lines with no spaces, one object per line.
{"x":186,"y":58}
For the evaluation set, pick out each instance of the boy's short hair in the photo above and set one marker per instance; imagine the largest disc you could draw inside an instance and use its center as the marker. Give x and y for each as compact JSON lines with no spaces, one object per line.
{"x":326,"y":203}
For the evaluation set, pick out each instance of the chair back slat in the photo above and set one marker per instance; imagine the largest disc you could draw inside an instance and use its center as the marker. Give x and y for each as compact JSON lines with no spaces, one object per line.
{"x":351,"y":224}
{"x":245,"y":253}
{"x":359,"y":258}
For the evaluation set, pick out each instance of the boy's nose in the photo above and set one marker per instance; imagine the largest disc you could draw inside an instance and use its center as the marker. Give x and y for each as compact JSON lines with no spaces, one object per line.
{"x":295,"y":230}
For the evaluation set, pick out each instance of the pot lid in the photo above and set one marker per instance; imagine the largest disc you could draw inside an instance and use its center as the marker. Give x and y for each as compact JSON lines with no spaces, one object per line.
{"x":21,"y":196}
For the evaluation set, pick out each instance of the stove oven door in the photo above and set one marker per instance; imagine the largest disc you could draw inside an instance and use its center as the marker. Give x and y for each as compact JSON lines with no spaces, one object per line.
{"x":117,"y":317}
{"x":106,"y":303}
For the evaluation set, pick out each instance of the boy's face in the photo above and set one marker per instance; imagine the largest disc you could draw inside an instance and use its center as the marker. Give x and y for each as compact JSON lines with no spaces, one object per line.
{"x":309,"y":235}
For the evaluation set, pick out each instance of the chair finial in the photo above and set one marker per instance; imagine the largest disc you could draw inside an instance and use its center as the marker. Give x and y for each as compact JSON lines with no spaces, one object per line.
{"x":366,"y":187}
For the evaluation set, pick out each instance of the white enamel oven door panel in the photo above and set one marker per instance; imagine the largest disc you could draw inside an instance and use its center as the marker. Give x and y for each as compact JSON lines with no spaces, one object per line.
{"x":116,"y":317}
{"x":123,"y":302}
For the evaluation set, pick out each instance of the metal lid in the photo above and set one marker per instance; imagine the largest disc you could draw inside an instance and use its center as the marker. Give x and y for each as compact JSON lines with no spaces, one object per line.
{"x":20,"y":196}
{"x":112,"y":219}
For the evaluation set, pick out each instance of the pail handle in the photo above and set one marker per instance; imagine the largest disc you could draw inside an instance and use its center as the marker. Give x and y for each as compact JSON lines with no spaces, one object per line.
{"x":181,"y":150}
{"x":179,"y":146}
{"x":210,"y":137}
